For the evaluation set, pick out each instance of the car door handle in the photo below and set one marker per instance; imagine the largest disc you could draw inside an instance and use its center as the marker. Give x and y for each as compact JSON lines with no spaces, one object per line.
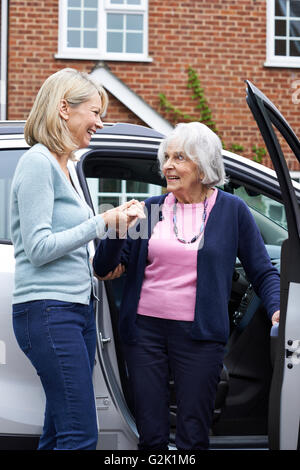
{"x":103,"y":341}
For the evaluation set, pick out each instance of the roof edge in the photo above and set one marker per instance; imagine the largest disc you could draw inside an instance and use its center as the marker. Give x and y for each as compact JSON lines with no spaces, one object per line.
{"x":130,"y":99}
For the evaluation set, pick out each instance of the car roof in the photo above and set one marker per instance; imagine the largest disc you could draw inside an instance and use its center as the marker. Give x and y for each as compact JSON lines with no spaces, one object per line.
{"x":133,"y":130}
{"x":142,"y":135}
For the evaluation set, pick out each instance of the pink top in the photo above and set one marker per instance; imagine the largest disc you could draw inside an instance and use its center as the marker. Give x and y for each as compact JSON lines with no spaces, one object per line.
{"x":169,"y":286}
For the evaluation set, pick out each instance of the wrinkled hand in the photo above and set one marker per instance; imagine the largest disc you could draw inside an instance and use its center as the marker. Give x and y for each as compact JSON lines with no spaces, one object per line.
{"x":275,"y":317}
{"x":117,"y":272}
{"x":134,"y":210}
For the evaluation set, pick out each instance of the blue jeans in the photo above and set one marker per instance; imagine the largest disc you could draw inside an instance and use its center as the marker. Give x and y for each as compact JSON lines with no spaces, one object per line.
{"x":163,"y":346}
{"x":59,"y":338}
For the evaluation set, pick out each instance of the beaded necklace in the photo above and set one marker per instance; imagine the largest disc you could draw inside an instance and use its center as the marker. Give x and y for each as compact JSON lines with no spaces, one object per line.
{"x":181,"y":240}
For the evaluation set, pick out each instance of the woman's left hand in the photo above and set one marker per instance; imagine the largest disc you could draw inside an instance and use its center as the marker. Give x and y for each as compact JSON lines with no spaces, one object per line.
{"x":117,"y":272}
{"x":275,"y":317}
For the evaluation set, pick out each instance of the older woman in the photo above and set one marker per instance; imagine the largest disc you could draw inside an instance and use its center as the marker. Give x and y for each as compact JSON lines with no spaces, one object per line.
{"x":174,"y":313}
{"x":51,"y":226}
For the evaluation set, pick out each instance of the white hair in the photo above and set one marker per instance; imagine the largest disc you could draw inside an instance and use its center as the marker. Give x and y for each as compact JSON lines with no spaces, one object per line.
{"x":201,"y":145}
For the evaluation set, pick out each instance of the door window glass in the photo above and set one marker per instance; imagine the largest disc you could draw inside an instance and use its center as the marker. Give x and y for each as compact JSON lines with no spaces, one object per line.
{"x":264,"y":205}
{"x":107,"y":192}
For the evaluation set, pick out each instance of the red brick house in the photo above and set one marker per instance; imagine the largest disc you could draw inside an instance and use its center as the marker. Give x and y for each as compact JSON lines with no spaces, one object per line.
{"x":141,"y":48}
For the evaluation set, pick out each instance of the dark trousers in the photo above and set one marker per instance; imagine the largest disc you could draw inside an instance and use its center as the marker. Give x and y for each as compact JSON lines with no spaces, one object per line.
{"x":59,"y":338}
{"x":164,"y":346}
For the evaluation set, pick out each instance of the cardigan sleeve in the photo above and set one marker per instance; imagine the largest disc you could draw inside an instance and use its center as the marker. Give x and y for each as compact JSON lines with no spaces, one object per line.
{"x":254,"y":257}
{"x":35,"y":198}
{"x":109,"y":254}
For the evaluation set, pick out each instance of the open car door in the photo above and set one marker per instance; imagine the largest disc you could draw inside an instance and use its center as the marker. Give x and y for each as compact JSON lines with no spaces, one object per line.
{"x":284,"y":403}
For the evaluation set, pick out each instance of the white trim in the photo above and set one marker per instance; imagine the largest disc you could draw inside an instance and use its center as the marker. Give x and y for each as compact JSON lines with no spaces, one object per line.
{"x":131,"y":100}
{"x":295,"y":175}
{"x":122,"y":6}
{"x":283,"y":63}
{"x":3,"y":55}
{"x":81,"y":55}
{"x":100,"y":53}
{"x":272,"y":60}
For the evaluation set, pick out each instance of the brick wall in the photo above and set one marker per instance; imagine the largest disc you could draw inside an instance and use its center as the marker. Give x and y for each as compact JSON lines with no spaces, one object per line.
{"x":223,"y":40}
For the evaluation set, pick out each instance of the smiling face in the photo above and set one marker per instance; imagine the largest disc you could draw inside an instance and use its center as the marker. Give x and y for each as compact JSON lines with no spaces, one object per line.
{"x":182,"y":175}
{"x":83,"y":119}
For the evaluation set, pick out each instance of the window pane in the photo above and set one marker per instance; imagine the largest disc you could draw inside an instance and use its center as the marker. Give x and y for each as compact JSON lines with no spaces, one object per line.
{"x":90,"y":19}
{"x":109,"y":185}
{"x":280,"y":7}
{"x":136,"y":187}
{"x":74,"y":3}
{"x":133,"y":2}
{"x":280,"y":47}
{"x":295,"y":48}
{"x":74,"y":18}
{"x":280,"y":28}
{"x":114,"y":42}
{"x":119,"y":2}
{"x":73,"y":39}
{"x":90,"y":39}
{"x":295,"y":8}
{"x":134,"y":42}
{"x":91,"y":4}
{"x":295,"y":28}
{"x":134,"y":22}
{"x":114,"y":21}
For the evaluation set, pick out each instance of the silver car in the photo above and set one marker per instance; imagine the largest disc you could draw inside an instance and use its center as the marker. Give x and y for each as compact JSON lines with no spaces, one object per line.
{"x":258,"y":399}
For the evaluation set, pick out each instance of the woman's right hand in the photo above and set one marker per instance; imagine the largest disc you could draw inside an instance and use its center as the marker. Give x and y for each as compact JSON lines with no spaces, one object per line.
{"x":122,"y":217}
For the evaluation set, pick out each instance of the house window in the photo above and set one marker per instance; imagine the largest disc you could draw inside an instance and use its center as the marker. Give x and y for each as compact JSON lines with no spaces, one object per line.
{"x":82,"y":24}
{"x":283,"y":33}
{"x":103,"y":30}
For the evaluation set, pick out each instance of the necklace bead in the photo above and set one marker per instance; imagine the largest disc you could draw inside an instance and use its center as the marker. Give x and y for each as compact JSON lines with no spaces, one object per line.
{"x":181,"y":240}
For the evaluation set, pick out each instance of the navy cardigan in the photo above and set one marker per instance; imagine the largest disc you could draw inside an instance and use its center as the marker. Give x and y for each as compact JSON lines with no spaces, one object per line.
{"x":230,"y":231}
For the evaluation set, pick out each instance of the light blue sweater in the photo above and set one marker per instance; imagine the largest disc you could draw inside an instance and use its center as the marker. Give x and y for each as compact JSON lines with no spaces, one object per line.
{"x":50,"y":230}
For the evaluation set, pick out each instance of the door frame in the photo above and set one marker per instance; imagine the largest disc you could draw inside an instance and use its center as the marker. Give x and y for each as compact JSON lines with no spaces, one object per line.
{"x":284,"y":406}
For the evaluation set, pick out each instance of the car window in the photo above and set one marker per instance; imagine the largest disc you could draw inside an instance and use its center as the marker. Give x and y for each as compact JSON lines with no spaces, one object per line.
{"x":272,"y":209}
{"x":268,"y":213}
{"x":107,"y":192}
{"x":8,"y":161}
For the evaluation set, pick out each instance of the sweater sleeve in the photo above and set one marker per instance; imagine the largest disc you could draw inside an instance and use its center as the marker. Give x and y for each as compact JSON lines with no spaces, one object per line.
{"x":35,"y":197}
{"x":254,"y":257}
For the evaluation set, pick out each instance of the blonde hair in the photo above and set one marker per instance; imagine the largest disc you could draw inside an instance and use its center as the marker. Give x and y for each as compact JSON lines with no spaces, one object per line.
{"x":202,"y":146}
{"x":44,"y":124}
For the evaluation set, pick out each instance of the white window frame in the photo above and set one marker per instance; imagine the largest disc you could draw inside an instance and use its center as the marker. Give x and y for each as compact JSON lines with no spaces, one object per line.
{"x":273,"y":60}
{"x":99,"y":53}
{"x":295,"y":175}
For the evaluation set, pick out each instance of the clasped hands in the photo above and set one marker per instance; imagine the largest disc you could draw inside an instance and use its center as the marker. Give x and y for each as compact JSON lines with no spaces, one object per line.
{"x":122,"y":217}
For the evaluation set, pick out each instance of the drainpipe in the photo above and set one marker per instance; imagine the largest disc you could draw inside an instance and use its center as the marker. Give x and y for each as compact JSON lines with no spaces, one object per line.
{"x":3,"y":56}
